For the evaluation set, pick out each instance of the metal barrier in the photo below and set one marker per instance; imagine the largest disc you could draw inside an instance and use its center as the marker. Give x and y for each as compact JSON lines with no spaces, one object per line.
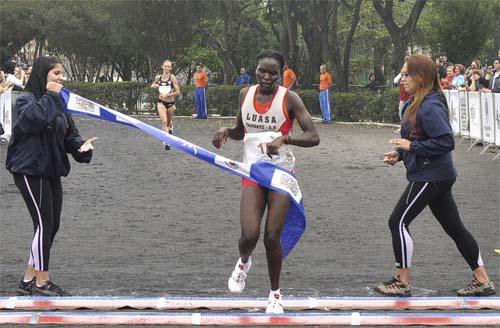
{"x":475,"y":116}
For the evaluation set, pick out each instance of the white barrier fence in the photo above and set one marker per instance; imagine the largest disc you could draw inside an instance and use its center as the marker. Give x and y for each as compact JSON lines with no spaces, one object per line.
{"x":475,"y":116}
{"x":6,"y":114}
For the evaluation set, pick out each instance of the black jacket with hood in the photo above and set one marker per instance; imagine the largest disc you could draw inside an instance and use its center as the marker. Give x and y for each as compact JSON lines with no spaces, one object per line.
{"x":432,"y":140}
{"x":42,"y":137}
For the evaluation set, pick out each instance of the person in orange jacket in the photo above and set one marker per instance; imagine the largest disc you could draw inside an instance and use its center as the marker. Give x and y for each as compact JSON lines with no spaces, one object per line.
{"x":200,"y":96}
{"x":325,"y":84}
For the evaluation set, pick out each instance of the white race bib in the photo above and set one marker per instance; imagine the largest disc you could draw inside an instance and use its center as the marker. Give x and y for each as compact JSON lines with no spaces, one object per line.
{"x":256,"y":150}
{"x":165,"y":89}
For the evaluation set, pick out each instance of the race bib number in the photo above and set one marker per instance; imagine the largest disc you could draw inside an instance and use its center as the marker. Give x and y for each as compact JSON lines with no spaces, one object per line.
{"x":165,"y":89}
{"x":256,"y":150}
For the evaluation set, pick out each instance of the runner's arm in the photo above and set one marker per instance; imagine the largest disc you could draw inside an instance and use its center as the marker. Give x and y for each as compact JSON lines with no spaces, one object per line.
{"x":309,"y":138}
{"x":155,"y":84}
{"x":296,"y":108}
{"x":177,"y":89}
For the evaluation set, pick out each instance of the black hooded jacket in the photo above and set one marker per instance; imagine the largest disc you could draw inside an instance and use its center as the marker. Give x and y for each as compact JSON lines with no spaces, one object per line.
{"x":42,"y":136}
{"x":432,"y":140}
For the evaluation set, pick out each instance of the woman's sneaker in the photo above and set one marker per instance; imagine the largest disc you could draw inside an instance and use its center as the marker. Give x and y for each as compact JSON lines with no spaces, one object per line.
{"x":236,"y":282}
{"x":25,"y":288}
{"x":394,"y":287}
{"x":274,"y":303}
{"x":49,"y":289}
{"x":476,"y":288}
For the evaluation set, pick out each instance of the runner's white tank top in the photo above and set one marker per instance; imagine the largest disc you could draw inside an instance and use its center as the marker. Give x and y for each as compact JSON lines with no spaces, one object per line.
{"x":263,"y":126}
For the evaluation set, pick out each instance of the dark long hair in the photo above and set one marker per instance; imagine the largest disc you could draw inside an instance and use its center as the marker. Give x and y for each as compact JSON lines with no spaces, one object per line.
{"x":37,"y":83}
{"x":9,"y":67}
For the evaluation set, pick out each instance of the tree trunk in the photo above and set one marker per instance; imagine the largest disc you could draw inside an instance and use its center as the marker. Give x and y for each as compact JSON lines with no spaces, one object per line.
{"x":290,"y":22}
{"x":379,"y":53}
{"x":151,"y":72}
{"x":39,"y":48}
{"x":274,"y":29}
{"x":496,"y":41}
{"x":324,"y":26}
{"x":400,"y":36}
{"x":334,"y":50}
{"x":348,"y":44}
{"x":341,"y":61}
{"x":74,"y":75}
{"x":309,"y":18}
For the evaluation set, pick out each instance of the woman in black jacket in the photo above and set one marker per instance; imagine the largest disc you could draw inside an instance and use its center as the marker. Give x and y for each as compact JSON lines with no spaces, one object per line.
{"x":37,"y":158}
{"x":425,"y":148}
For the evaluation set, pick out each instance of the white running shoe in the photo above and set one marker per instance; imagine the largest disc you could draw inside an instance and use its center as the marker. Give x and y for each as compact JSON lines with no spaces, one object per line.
{"x":236,"y":282}
{"x":274,"y":303}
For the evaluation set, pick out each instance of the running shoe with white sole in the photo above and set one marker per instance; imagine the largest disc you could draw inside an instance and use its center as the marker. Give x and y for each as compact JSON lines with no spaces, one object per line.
{"x":274,"y":303}
{"x":236,"y":282}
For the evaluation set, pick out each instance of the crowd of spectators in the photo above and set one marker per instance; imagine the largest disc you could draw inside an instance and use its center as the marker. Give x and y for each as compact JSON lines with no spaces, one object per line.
{"x":13,"y":77}
{"x":476,"y":77}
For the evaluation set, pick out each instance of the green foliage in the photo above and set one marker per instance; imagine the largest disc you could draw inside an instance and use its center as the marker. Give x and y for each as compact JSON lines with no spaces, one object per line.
{"x":134,"y":37}
{"x":223,"y":99}
{"x":121,"y":96}
{"x":199,"y":54}
{"x":462,"y":29}
{"x":358,"y":69}
{"x":138,"y":97}
{"x":366,"y":106}
{"x":18,"y":25}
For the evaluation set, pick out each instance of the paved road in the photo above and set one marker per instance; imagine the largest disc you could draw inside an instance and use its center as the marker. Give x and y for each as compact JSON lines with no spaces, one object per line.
{"x":141,"y":222}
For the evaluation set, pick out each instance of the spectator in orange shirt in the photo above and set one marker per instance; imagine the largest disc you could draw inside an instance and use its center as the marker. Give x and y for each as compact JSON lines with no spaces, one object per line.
{"x":289,"y":78}
{"x":200,"y":100}
{"x":325,"y":83}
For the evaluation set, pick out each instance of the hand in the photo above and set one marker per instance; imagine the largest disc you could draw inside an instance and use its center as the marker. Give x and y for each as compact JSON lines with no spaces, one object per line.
{"x":220,"y":137}
{"x":87,"y":145}
{"x":273,"y":146}
{"x":54,"y":87}
{"x":391,"y":157}
{"x":403,"y":144}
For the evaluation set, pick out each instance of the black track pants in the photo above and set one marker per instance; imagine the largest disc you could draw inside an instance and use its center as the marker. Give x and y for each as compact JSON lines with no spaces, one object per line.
{"x":43,"y":197}
{"x":440,"y":200}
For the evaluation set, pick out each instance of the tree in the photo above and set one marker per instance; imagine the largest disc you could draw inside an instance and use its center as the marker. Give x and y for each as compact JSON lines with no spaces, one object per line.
{"x":464,"y":30}
{"x":400,"y":36}
{"x":78,"y":31}
{"x":313,"y":18}
{"x":229,"y":26}
{"x":19,"y":23}
{"x":341,"y":60}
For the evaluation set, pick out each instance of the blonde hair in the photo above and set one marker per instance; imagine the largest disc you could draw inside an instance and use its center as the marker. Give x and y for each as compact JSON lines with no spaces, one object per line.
{"x":425,"y":72}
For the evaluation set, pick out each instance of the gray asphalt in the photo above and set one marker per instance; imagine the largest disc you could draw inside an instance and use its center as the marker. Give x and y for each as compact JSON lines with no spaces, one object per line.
{"x":139,"y":221}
